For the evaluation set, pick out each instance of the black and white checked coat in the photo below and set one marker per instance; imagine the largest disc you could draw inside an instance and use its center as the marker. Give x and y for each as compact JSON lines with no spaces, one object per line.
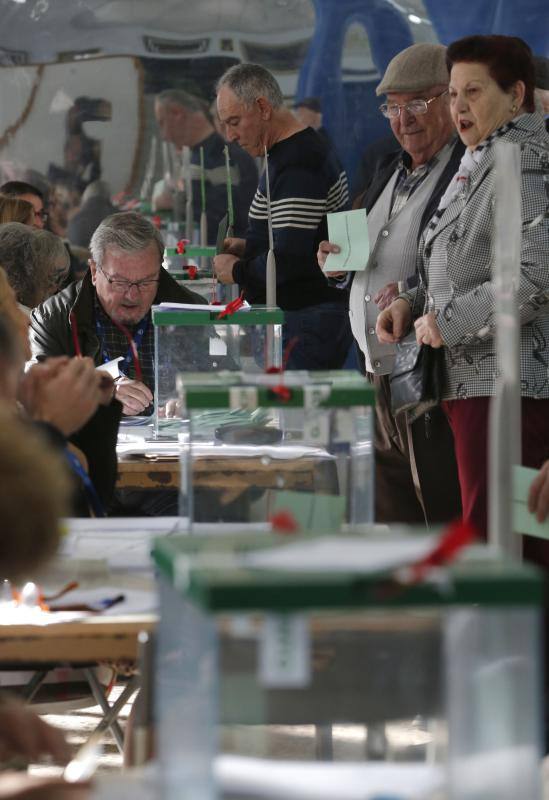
{"x":457,"y":259}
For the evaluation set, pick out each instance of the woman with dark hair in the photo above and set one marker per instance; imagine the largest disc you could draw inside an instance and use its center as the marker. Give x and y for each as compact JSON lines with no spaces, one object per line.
{"x":492,"y":98}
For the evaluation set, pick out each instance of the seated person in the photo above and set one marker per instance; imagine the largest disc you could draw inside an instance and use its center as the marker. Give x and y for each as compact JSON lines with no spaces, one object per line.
{"x":21,"y":190}
{"x":14,"y":210}
{"x":45,"y":212}
{"x":34,"y":497}
{"x":113,"y":299}
{"x":52,"y":252}
{"x":68,"y":398}
{"x":36,"y":263}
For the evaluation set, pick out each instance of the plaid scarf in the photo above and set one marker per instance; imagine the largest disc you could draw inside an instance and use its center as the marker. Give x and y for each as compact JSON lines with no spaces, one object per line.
{"x":468,"y":162}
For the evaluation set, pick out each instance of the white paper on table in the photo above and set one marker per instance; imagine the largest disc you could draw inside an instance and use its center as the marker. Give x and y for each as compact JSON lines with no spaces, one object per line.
{"x":20,"y":615}
{"x":112,"y":367}
{"x":124,"y":543}
{"x":144,"y":447}
{"x":305,"y":780}
{"x":342,"y":554}
{"x":159,"y":448}
{"x":198,"y":307}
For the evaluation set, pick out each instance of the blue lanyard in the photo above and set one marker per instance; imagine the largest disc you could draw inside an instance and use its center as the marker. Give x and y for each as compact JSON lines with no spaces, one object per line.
{"x":124,"y":365}
{"x":90,"y":490}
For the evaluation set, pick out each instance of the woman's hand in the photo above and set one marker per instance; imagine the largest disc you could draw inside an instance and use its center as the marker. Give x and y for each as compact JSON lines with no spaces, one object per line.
{"x":538,"y":496}
{"x":394,"y":322}
{"x":427,"y":331}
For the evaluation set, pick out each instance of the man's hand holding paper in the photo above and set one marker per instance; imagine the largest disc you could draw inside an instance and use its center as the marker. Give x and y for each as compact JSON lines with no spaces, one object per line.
{"x":348,"y":248}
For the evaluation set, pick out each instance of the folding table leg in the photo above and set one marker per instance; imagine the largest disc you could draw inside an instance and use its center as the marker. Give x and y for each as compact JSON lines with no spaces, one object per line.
{"x":110,"y":712}
{"x":34,"y":684}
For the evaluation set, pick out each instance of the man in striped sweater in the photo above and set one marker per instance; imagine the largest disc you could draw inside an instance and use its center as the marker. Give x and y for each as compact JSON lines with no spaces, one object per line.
{"x":306,"y":182}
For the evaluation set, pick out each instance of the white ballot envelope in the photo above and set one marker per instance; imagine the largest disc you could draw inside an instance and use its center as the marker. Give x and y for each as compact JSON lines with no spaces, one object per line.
{"x":112,"y":367}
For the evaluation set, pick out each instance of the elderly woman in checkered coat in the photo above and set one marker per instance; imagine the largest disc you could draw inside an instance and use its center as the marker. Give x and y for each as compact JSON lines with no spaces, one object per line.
{"x":492,"y":97}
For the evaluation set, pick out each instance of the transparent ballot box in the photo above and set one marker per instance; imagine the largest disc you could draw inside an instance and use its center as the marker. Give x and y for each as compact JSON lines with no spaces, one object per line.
{"x":292,"y":670}
{"x":294,"y":450}
{"x":188,"y":340}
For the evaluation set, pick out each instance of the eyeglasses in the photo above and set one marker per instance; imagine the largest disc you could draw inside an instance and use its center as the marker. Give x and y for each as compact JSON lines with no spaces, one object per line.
{"x":43,"y":215}
{"x":125,"y":286}
{"x":414,"y":107}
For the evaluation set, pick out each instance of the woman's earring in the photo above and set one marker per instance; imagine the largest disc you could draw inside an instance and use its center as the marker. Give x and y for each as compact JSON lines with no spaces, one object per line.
{"x":514,"y":108}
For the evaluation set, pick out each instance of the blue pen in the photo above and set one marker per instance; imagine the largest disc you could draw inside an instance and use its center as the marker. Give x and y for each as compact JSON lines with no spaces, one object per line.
{"x":109,"y":602}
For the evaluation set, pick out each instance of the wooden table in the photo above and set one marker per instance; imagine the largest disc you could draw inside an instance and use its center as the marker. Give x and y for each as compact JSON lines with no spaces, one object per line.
{"x":139,"y":472}
{"x":232,"y":476}
{"x":82,"y":641}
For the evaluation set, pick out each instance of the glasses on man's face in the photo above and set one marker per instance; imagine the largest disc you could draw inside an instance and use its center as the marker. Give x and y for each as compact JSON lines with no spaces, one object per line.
{"x":414,"y":107}
{"x":122,"y":286}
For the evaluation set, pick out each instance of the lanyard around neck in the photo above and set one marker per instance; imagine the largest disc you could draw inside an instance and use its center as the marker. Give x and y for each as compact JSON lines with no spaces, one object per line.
{"x":124,"y":365}
{"x":90,"y":491}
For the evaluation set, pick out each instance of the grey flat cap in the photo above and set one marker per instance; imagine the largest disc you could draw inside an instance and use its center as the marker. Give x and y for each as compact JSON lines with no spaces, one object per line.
{"x":415,"y":69}
{"x":541,"y":66}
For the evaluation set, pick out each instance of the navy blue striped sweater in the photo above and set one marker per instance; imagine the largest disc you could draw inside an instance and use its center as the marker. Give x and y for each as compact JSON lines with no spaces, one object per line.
{"x":306,"y":182}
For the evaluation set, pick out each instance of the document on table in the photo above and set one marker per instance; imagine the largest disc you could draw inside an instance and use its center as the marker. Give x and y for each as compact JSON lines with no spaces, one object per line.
{"x":349,"y":230}
{"x":523,"y":520}
{"x":125,"y":543}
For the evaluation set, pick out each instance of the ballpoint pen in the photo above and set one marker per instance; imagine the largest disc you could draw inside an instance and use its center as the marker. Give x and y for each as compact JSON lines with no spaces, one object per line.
{"x":95,"y":608}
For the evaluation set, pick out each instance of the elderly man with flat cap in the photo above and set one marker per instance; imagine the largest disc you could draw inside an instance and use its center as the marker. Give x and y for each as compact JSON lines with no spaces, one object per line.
{"x":416,"y":475}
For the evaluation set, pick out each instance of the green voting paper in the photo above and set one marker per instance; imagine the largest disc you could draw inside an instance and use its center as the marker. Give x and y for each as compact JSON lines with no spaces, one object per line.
{"x":523,"y":520}
{"x":349,"y":230}
{"x":312,"y":512}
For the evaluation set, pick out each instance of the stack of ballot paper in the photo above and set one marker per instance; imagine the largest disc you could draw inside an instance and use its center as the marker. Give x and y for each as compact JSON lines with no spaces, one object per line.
{"x":199,"y":307}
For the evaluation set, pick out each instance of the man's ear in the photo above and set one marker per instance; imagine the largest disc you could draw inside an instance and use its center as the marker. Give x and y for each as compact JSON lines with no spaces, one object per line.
{"x":93,"y":269}
{"x":265,"y":108}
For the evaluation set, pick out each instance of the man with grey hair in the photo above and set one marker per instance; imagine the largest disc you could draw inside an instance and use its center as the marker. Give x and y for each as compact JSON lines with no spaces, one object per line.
{"x":306,"y":182}
{"x":184,"y":120}
{"x":112,"y":301}
{"x":416,"y":474}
